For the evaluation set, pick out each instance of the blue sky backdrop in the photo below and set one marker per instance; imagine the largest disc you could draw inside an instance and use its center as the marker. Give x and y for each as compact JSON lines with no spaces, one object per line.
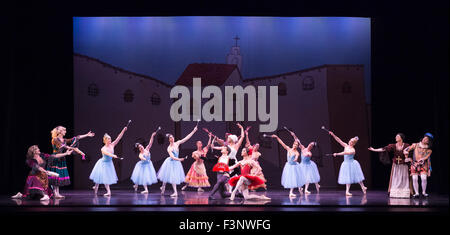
{"x":162,"y":47}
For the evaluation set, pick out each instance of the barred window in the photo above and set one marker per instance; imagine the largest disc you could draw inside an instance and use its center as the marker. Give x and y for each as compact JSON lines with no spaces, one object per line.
{"x":93,"y":90}
{"x":308,"y":83}
{"x":155,"y":99}
{"x":128,"y":96}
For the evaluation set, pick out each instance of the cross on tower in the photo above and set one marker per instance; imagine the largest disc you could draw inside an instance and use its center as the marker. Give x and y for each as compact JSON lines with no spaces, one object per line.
{"x":236,"y":38}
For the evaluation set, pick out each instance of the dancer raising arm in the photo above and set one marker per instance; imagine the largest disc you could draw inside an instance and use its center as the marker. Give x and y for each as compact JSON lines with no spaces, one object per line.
{"x":350,"y":171}
{"x":59,"y":165}
{"x":399,"y":180}
{"x":292,"y":176}
{"x":255,"y":154}
{"x":171,"y":170}
{"x":245,"y":179}
{"x":421,"y":163}
{"x":144,"y":173}
{"x":196,"y":176}
{"x":103,"y":171}
{"x":36,"y":185}
{"x":308,"y":167}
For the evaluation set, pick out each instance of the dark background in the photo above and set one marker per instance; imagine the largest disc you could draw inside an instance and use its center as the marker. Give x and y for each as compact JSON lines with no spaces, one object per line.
{"x":409,"y":71}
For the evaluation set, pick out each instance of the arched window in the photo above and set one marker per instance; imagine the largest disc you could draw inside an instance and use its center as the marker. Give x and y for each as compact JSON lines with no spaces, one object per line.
{"x":282,"y":89}
{"x":93,"y":90}
{"x":155,"y":99}
{"x":308,"y":83}
{"x":128,"y":96}
{"x":346,"y":88}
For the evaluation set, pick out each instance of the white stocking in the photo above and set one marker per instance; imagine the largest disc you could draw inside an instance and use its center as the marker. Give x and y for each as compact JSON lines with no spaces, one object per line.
{"x":424,"y":183}
{"x":416,"y":184}
{"x":238,"y":185}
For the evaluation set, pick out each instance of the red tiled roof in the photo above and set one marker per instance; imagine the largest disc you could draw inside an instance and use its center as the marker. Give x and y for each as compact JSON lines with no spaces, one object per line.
{"x":211,"y":74}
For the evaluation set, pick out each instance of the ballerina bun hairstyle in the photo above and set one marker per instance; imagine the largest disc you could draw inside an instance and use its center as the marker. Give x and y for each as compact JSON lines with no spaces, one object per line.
{"x":106,"y":136}
{"x":233,"y":137}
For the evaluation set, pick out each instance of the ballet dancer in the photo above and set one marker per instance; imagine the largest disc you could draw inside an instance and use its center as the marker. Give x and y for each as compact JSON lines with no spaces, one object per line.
{"x":243,"y":181}
{"x":36,"y":185}
{"x":103,"y":171}
{"x":420,"y":163}
{"x":291,"y":177}
{"x":308,"y":167}
{"x":399,"y":180}
{"x":255,"y":154}
{"x":196,"y":176}
{"x":171,"y":170}
{"x":144,"y":173}
{"x":350,"y":171}
{"x":59,"y":165}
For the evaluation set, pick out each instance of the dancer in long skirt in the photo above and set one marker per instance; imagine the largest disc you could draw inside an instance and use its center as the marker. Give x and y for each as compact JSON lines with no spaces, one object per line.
{"x":255,"y":155}
{"x":350,"y":171}
{"x":171,"y":170}
{"x":103,"y":171}
{"x":246,"y":179}
{"x":307,"y":166}
{"x":196,"y":176}
{"x":59,"y":165}
{"x":399,"y":179}
{"x":144,"y":173}
{"x":421,"y":164}
{"x":36,"y":185}
{"x":291,"y":177}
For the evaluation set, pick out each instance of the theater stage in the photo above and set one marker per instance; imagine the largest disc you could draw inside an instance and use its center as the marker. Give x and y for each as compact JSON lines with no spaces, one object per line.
{"x":128,"y":201}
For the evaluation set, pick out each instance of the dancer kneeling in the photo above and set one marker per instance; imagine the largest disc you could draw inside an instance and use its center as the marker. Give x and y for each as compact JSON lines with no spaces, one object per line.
{"x":245,"y":179}
{"x":144,"y":173}
{"x":350,"y":171}
{"x":171,"y":170}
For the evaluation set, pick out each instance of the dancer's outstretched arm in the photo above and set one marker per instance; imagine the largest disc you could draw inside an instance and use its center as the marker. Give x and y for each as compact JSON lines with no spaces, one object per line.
{"x":281,"y":142}
{"x":338,"y":139}
{"x":173,"y":156}
{"x":213,"y":146}
{"x":247,"y":139}
{"x":150,"y":143}
{"x":89,"y":134}
{"x":107,"y":153}
{"x":114,"y":143}
{"x":297,"y":139}
{"x":205,"y":149}
{"x":238,"y":145}
{"x":188,"y":136}
{"x":378,"y":150}
{"x":349,"y":152}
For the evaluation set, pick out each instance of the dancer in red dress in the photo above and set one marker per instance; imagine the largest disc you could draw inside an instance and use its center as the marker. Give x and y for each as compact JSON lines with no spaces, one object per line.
{"x":255,"y":154}
{"x":243,"y":181}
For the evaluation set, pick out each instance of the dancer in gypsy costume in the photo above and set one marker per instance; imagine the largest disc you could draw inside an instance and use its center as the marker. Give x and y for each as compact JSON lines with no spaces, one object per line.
{"x":350,"y":171}
{"x":104,"y":171}
{"x":421,"y":164}
{"x":255,"y":154}
{"x":36,"y":185}
{"x":292,"y":177}
{"x":59,"y":165}
{"x":171,"y":170}
{"x":144,"y":173}
{"x":196,"y":176}
{"x":243,"y":181}
{"x":399,"y":186}
{"x":307,"y":167}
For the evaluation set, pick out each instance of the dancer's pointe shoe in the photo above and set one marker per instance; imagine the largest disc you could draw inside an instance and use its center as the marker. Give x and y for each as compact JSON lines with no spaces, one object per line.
{"x":184,"y":187}
{"x":292,"y":195}
{"x":135,"y":188}
{"x":232,"y":197}
{"x":200,"y":190}
{"x":318,"y":188}
{"x":364,"y":189}
{"x":17,"y":196}
{"x":300,"y":190}
{"x":45,"y":198}
{"x":174,"y":195}
{"x":58,"y":196}
{"x":107,"y":195}
{"x":144,"y":192}
{"x":348,"y":194}
{"x":162,"y":190}
{"x":266,"y":198}
{"x":415,"y":196}
{"x":425,"y":194}
{"x":307,"y":192}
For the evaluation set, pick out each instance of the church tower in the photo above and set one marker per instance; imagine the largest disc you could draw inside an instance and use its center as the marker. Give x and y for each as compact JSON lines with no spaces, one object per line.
{"x":234,"y":57}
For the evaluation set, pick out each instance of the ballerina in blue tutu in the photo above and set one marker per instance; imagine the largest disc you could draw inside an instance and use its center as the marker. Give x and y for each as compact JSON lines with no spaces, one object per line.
{"x":171,"y":170}
{"x":103,"y":171}
{"x":144,"y":173}
{"x":292,"y":177}
{"x":350,"y":171}
{"x":307,"y":167}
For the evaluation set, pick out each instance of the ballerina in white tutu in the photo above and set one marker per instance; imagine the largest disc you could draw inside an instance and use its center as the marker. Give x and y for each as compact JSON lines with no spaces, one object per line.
{"x":144,"y":173}
{"x":171,"y":170}
{"x":350,"y":171}
{"x":103,"y":171}
{"x":307,"y":167}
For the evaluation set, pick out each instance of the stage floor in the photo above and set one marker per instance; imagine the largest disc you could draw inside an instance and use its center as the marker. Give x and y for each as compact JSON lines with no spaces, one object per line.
{"x":128,"y":200}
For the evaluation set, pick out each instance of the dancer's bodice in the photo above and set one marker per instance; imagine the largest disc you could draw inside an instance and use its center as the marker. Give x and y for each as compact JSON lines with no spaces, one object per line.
{"x":224,"y":159}
{"x":348,"y":157}
{"x":175,"y":154}
{"x":291,"y":159}
{"x":245,"y":169}
{"x":306,"y":159}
